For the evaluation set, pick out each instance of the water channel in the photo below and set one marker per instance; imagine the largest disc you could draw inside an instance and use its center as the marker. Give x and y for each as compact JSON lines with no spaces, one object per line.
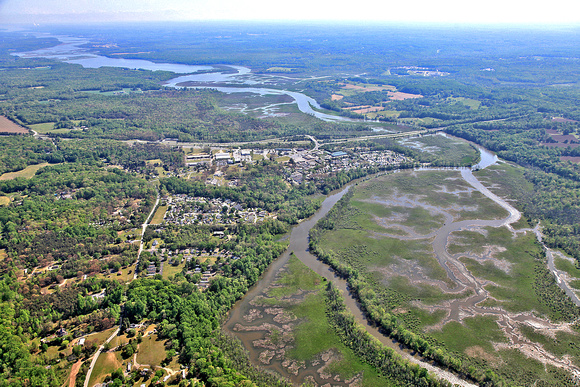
{"x":298,"y":244}
{"x":456,"y":270}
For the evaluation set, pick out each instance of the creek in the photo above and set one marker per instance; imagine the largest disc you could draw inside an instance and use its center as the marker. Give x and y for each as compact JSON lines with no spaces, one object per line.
{"x":238,"y":79}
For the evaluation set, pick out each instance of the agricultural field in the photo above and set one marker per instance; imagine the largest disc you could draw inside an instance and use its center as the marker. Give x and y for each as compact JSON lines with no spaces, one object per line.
{"x":25,"y":173}
{"x":9,"y":127}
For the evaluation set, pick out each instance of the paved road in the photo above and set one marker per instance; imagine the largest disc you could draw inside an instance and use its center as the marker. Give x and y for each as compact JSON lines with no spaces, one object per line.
{"x":143,"y":228}
{"x":96,"y":356}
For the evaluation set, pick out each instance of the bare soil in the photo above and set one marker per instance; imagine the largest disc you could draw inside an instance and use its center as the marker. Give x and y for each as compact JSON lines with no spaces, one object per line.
{"x":9,"y":127}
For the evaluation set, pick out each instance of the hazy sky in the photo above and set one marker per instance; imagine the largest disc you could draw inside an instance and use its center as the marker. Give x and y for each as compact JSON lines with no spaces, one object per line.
{"x":455,"y":11}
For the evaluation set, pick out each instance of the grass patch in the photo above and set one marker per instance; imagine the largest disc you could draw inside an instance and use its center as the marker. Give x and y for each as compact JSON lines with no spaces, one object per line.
{"x":297,"y":277}
{"x":170,"y":270}
{"x":566,"y":265}
{"x":151,"y":351}
{"x":4,"y":200}
{"x":314,"y":335}
{"x":475,"y":331}
{"x":26,"y":173}
{"x":159,"y":214}
{"x":107,"y":363}
{"x":471,"y":103}
{"x":443,"y":150}
{"x":515,"y":288}
{"x":45,"y":127}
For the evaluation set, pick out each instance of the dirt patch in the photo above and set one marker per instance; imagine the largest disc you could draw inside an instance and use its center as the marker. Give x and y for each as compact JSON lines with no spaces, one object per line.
{"x":336,"y":97}
{"x":74,"y":372}
{"x":350,"y":86}
{"x":367,"y":109}
{"x":252,"y":315}
{"x":9,"y":127}
{"x":560,"y":119}
{"x":480,"y":353}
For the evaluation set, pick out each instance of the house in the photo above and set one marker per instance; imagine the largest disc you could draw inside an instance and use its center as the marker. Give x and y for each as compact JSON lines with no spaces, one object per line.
{"x":61,"y":332}
{"x":81,"y":341}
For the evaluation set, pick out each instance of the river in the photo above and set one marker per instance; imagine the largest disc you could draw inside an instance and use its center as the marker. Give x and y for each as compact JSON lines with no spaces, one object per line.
{"x":298,"y":243}
{"x":236,"y":80}
{"x":225,"y":78}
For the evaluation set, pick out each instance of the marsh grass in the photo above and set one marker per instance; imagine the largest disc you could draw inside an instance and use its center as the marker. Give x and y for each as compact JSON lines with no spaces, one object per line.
{"x":314,"y":334}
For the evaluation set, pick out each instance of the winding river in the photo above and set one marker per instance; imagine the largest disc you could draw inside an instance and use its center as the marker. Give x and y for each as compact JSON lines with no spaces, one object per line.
{"x":456,"y":270}
{"x":72,"y":50}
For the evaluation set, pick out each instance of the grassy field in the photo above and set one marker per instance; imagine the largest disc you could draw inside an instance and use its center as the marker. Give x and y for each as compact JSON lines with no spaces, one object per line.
{"x":567,"y":266}
{"x":368,"y":234}
{"x":4,"y":200}
{"x":170,"y":270}
{"x":443,"y":149}
{"x":471,"y":103}
{"x":159,"y":214}
{"x":26,"y":173}
{"x":105,"y":365}
{"x":45,"y":127}
{"x":151,"y":351}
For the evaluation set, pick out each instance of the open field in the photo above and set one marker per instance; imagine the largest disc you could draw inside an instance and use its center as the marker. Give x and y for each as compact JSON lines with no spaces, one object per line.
{"x":151,"y":351}
{"x":444,"y":150}
{"x":159,"y":214}
{"x":4,"y":200}
{"x":26,"y":173}
{"x":105,"y":365}
{"x":9,"y":127}
{"x":170,"y":270}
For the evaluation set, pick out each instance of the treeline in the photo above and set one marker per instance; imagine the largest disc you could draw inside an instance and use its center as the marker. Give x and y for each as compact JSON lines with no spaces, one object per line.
{"x":384,"y":359}
{"x":66,"y":213}
{"x":22,"y":151}
{"x":520,"y":146}
{"x":17,"y":368}
{"x":193,"y":318}
{"x":555,"y":185}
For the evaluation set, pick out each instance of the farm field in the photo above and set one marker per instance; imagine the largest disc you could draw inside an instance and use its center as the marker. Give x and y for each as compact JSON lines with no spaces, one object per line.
{"x":9,"y":127}
{"x":26,"y":173}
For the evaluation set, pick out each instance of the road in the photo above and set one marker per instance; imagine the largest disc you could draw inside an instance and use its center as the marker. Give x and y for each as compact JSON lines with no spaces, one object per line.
{"x":96,"y":356}
{"x":143,"y":228}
